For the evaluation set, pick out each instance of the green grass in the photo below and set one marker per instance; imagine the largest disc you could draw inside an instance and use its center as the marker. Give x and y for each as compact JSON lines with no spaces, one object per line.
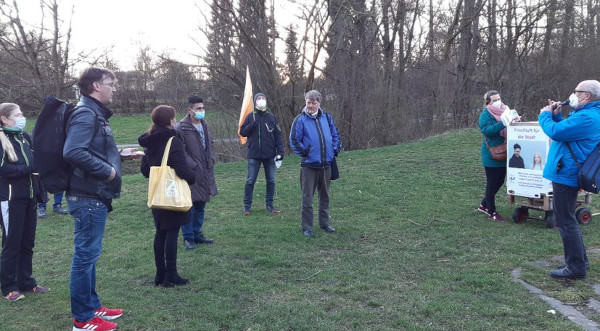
{"x":411,"y":253}
{"x":127,"y":129}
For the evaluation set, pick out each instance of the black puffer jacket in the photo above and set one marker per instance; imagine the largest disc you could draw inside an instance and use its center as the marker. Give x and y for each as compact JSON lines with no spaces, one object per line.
{"x":154,"y":148}
{"x":16,"y":179}
{"x":264,"y":135}
{"x":90,"y":148}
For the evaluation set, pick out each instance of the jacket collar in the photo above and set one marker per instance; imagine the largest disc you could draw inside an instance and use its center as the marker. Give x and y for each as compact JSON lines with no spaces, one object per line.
{"x":93,"y":103}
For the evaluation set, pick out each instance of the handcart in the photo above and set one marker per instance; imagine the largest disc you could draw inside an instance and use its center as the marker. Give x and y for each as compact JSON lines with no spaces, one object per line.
{"x":544,"y":203}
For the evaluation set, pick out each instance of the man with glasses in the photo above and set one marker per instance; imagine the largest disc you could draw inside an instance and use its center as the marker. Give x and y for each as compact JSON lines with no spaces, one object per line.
{"x":579,"y":131}
{"x":200,"y":157}
{"x":265,"y":146}
{"x":315,"y":138}
{"x":96,"y":179}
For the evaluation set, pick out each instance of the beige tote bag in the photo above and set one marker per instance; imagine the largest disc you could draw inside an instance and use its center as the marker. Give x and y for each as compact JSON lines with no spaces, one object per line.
{"x":165,"y":189}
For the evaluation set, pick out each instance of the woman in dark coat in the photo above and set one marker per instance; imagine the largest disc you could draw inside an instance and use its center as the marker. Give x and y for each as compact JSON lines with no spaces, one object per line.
{"x":167,"y":222}
{"x":18,"y":220}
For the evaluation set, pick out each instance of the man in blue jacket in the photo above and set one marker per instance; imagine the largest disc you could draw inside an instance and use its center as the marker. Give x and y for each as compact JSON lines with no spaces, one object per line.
{"x":315,"y":138}
{"x":579,"y":131}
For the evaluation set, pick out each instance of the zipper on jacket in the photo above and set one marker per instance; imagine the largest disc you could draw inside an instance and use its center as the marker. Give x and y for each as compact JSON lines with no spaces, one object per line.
{"x":18,"y":140}
{"x":321,"y":141}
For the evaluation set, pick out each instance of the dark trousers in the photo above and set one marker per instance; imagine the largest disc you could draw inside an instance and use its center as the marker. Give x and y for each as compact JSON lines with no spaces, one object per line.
{"x":165,"y":248}
{"x":19,"y":221}
{"x":563,"y":206}
{"x":310,"y":180}
{"x":494,"y":181}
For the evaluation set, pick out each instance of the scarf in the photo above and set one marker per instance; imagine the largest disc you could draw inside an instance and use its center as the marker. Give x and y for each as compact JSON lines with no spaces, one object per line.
{"x":497,"y":112}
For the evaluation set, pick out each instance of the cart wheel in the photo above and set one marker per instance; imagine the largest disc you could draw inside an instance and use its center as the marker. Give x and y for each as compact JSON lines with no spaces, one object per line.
{"x":520,"y":215}
{"x":584,"y":215}
{"x":550,"y":222}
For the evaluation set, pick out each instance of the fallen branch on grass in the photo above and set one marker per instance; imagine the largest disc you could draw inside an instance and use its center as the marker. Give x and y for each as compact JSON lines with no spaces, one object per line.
{"x":311,"y":276}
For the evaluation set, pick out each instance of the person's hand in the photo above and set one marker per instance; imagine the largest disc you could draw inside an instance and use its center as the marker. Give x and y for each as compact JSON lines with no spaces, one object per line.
{"x":113,"y":174}
{"x":278,"y":158}
{"x":553,"y":106}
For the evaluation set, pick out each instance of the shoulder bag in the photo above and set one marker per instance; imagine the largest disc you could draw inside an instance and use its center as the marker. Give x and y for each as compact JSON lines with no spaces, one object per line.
{"x":589,"y":172}
{"x":498,"y":152}
{"x":165,"y":189}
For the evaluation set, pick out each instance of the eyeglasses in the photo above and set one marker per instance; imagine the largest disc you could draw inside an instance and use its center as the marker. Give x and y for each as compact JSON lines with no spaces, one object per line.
{"x":111,"y":84}
{"x":577,"y":91}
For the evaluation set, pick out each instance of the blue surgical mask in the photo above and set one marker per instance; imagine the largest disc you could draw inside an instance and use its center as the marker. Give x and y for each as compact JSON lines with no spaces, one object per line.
{"x":199,"y":115}
{"x":19,"y":126}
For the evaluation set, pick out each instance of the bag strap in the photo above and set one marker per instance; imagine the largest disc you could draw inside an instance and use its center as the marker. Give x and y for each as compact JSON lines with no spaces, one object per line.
{"x":573,"y":155}
{"x":165,"y":157}
{"x":487,"y":144}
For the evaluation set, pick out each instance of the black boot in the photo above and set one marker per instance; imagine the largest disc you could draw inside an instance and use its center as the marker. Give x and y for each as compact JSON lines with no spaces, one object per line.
{"x":160,"y":271}
{"x":172,"y":277}
{"x":159,"y":279}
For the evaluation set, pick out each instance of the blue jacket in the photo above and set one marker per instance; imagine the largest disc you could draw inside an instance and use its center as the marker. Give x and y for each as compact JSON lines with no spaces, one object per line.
{"x":490,"y":128}
{"x":581,"y":129}
{"x":316,"y":140}
{"x":90,"y":148}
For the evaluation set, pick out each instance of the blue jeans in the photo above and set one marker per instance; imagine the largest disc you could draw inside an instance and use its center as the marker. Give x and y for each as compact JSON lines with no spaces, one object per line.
{"x":253,"y":168}
{"x":89,"y":219}
{"x":563,"y":206}
{"x":193,"y":229}
{"x":57,"y":200}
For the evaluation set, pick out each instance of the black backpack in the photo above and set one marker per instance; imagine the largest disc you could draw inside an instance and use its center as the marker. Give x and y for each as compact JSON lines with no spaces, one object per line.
{"x":49,"y":136}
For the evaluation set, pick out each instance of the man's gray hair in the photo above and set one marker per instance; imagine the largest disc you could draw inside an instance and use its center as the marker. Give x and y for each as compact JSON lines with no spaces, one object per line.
{"x":593,"y":86}
{"x":313,"y":95}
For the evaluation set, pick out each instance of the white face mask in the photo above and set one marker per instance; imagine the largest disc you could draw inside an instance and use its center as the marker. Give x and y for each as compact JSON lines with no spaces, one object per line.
{"x":261,"y":104}
{"x":497,"y":104}
{"x":573,"y":100}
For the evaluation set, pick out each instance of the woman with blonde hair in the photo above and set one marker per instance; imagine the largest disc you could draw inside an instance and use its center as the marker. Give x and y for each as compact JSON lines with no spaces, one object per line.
{"x":537,"y":162}
{"x":18,"y":189}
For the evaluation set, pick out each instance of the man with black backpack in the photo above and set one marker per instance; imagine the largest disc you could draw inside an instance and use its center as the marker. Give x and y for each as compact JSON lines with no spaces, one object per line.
{"x":95,"y":180}
{"x":573,"y":138}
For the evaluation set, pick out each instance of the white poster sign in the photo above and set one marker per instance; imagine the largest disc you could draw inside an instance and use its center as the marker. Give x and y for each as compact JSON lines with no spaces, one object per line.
{"x":527,"y":148}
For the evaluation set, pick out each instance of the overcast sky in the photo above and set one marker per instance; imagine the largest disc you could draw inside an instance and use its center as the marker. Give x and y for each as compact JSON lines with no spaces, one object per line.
{"x":124,"y":25}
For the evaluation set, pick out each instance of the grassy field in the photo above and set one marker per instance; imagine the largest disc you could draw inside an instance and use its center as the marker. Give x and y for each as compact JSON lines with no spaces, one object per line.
{"x":411,"y":253}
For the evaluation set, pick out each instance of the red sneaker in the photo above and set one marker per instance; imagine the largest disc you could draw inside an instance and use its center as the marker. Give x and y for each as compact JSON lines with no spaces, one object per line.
{"x":95,"y":324}
{"x":39,"y":289}
{"x":496,"y":217}
{"x":483,"y":209}
{"x":108,"y":314}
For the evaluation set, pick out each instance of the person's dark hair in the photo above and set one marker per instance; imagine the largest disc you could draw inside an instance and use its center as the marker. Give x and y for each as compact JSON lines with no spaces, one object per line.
{"x":488,"y":96}
{"x":91,"y":75}
{"x":516,"y":146}
{"x":194,"y":100}
{"x":161,"y":117}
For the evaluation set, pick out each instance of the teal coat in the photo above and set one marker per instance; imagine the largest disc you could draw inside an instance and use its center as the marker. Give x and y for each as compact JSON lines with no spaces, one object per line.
{"x":490,"y":128}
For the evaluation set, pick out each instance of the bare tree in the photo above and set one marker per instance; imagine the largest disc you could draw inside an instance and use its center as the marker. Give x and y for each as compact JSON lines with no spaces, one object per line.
{"x":40,"y":54}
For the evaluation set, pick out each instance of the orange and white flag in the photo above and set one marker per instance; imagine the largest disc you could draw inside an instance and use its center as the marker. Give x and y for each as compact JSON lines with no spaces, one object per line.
{"x":247,"y":105}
